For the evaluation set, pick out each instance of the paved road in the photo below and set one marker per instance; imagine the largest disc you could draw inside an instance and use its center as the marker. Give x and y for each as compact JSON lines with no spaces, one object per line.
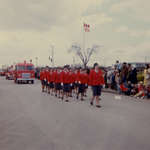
{"x":31,"y":120}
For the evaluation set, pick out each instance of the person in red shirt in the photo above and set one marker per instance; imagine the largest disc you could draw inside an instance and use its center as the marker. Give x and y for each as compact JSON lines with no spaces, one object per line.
{"x":96,"y":81}
{"x":71,"y":81}
{"x":65,"y":83}
{"x":52,"y":83}
{"x":48,"y":80}
{"x":83,"y":81}
{"x":58,"y":82}
{"x":76,"y":72}
{"x":42,"y":78}
{"x":47,"y":76}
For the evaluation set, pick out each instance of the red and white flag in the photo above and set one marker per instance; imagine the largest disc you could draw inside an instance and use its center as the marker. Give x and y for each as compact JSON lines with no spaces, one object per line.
{"x":86,"y":27}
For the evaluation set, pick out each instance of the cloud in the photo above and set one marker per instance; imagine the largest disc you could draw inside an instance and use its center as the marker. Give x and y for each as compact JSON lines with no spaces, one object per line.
{"x":40,"y":15}
{"x":28,"y":27}
{"x":133,"y":32}
{"x":136,"y":8}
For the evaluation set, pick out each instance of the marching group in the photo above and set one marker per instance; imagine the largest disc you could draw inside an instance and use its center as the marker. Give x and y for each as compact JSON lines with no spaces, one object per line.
{"x":65,"y":82}
{"x":68,"y":82}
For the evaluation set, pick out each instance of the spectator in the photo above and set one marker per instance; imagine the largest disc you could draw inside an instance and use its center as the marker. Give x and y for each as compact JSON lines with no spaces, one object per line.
{"x":147,"y":75}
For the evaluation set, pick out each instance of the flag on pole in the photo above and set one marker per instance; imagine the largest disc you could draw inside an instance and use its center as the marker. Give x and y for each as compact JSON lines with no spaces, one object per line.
{"x":86,"y":27}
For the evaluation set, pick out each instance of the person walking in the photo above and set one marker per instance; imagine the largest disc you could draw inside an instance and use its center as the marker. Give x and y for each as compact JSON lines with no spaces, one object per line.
{"x":96,"y":81}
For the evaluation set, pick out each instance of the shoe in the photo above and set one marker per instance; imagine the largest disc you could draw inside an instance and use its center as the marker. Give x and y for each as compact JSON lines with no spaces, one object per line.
{"x":66,"y":100}
{"x":91,"y":103}
{"x":98,"y":106}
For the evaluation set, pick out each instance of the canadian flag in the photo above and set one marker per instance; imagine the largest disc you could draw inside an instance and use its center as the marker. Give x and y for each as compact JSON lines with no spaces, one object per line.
{"x":86,"y":27}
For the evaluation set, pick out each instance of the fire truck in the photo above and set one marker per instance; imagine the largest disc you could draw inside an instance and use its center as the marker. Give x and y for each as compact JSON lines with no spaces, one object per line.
{"x":24,"y":73}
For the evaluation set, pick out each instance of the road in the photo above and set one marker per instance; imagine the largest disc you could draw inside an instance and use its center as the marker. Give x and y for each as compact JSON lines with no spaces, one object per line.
{"x":32,"y":120}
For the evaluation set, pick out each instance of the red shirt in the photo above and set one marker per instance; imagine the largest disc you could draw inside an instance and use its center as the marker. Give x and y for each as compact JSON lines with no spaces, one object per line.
{"x":48,"y":76}
{"x":41,"y":75}
{"x":58,"y":77}
{"x":123,"y":88}
{"x":71,"y":77}
{"x":47,"y":73}
{"x":83,"y":78}
{"x":53,"y":76}
{"x":65,"y":77}
{"x":77,"y":76}
{"x":96,"y":78}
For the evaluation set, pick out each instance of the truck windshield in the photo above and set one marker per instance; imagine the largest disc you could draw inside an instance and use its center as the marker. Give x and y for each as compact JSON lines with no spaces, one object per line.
{"x":30,"y":68}
{"x":20,"y":67}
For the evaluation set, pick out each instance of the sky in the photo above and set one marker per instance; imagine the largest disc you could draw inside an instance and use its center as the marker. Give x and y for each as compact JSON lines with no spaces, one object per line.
{"x":28,"y":28}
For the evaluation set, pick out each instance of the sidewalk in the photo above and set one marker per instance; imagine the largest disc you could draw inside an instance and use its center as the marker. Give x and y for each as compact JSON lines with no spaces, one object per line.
{"x":109,"y":91}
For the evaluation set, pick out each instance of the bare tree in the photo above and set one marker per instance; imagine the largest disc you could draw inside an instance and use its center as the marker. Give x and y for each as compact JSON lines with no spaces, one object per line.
{"x":84,"y":55}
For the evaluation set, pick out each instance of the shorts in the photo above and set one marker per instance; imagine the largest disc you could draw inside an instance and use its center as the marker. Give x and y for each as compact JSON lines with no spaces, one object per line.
{"x":58,"y":86}
{"x":47,"y":84}
{"x":72,"y":87}
{"x":97,"y":90}
{"x":66,"y":87}
{"x":43,"y":82}
{"x":51,"y":85}
{"x":81,"y":88}
{"x":76,"y":85}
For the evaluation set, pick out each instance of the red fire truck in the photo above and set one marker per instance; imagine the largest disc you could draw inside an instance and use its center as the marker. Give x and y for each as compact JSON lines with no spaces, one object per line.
{"x":24,"y":72}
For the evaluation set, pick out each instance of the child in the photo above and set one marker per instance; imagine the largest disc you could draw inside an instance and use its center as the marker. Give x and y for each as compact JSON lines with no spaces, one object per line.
{"x":65,"y":83}
{"x":58,"y":82}
{"x":83,"y":81}
{"x":141,"y":92}
{"x":96,"y":80}
{"x":42,"y":78}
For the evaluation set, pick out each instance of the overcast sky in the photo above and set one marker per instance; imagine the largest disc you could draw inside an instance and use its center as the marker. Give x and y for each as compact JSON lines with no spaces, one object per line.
{"x":29,"y":27}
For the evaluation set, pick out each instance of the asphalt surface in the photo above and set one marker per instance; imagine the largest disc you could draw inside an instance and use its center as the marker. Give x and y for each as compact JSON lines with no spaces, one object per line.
{"x":32,"y":120}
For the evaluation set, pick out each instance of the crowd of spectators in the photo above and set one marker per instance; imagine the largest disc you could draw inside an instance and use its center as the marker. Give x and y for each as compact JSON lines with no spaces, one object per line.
{"x":123,"y":79}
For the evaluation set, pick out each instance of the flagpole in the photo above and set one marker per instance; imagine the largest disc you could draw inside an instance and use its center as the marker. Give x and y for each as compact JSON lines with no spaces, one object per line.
{"x":83,"y":38}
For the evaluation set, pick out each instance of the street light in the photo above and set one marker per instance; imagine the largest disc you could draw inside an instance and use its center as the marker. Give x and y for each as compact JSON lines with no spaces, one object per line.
{"x":36,"y":61}
{"x":51,"y":58}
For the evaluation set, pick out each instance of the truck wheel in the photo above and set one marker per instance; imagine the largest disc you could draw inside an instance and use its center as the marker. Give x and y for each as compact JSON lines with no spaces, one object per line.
{"x":32,"y":82}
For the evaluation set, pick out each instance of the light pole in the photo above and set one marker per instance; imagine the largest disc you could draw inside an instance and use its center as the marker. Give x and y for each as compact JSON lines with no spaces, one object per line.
{"x":52,"y":55}
{"x":73,"y":60}
{"x":36,"y":61}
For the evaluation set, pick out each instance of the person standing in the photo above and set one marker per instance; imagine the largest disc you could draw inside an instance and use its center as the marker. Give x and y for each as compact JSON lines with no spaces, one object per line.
{"x":65,"y":83}
{"x":42,"y":78}
{"x":83,"y":81}
{"x":96,"y":81}
{"x":147,"y":75}
{"x":58,"y":82}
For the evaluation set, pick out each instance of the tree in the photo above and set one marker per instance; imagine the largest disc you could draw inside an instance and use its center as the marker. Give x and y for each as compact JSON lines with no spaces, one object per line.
{"x":84,"y":55}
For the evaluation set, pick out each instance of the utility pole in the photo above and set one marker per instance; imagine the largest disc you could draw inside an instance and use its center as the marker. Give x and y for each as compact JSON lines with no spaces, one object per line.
{"x":36,"y":61}
{"x":73,"y":60}
{"x":52,"y":55}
